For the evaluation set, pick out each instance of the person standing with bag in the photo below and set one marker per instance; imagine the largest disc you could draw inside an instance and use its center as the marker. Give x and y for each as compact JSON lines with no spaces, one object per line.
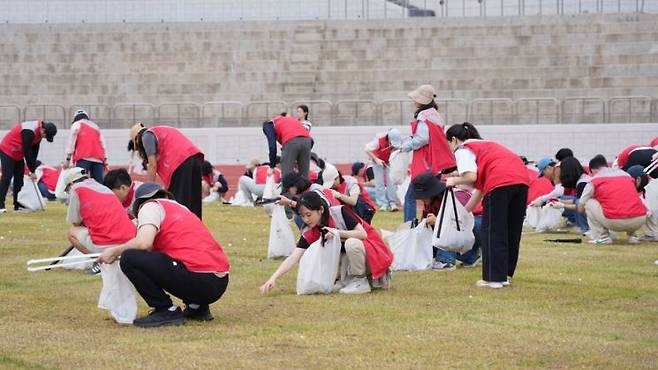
{"x":172,"y":156}
{"x":428,"y":143}
{"x":501,"y":180}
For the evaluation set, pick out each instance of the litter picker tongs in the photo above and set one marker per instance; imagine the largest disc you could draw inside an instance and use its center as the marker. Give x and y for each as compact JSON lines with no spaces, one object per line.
{"x":67,"y":261}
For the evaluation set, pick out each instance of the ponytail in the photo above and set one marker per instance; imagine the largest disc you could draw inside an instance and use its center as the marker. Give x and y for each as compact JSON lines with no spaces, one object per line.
{"x":463,"y":132}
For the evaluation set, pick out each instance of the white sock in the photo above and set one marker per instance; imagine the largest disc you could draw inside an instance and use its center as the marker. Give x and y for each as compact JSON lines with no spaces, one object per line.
{"x":193,"y":306}
{"x":173,"y":308}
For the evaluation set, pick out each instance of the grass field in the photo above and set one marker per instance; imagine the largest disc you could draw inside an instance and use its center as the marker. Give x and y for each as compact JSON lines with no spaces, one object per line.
{"x":570,"y":306}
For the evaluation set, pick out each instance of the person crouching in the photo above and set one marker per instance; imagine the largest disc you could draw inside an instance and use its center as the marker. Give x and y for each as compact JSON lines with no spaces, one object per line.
{"x":172,"y":252}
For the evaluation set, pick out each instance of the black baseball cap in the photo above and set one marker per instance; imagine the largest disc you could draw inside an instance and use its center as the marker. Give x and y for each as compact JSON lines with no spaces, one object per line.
{"x":426,"y":186}
{"x":51,"y":131}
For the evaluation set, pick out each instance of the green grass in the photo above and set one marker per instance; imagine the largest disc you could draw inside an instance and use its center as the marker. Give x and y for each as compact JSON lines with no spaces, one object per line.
{"x":569,"y":306}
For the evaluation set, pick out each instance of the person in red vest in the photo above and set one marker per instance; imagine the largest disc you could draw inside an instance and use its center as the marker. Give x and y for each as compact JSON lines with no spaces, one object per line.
{"x":86,"y":146}
{"x":47,"y":180}
{"x":20,"y":147}
{"x":172,"y":156}
{"x":365,"y":253}
{"x":99,"y":221}
{"x":213,"y":186}
{"x":379,"y":150}
{"x":123,"y":187}
{"x":295,"y":143}
{"x":350,"y":192}
{"x":654,"y":143}
{"x":173,"y":252}
{"x":501,"y":180}
{"x":611,"y":203}
{"x":255,"y":185}
{"x":428,"y":143}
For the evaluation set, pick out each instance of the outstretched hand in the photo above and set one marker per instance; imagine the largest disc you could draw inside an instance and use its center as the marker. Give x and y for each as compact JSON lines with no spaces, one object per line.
{"x":267,"y":287}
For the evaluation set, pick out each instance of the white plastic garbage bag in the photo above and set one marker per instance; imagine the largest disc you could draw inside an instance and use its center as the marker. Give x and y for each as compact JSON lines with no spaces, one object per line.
{"x":399,"y":166}
{"x":318,"y":267}
{"x":282,"y":240}
{"x":60,"y":194}
{"x":240,"y":200}
{"x":401,"y":191}
{"x":453,"y":231}
{"x":30,"y":196}
{"x":411,"y":247}
{"x":118,"y":294}
{"x":78,"y":266}
{"x":269,"y":192}
{"x":532,"y":215}
{"x":549,"y":219}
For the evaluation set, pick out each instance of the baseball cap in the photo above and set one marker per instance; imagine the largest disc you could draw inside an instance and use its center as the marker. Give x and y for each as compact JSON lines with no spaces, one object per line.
{"x":636,"y":171}
{"x":543,"y":163}
{"x":329,"y":175}
{"x":147,"y":190}
{"x":74,"y":174}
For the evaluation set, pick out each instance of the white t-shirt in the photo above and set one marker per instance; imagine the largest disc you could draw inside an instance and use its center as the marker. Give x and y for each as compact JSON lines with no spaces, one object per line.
{"x":150,"y":213}
{"x":465,"y":159}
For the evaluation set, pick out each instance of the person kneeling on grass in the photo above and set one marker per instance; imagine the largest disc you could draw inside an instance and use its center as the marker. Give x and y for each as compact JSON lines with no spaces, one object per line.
{"x":173,"y":252}
{"x":99,"y":221}
{"x":363,"y":254}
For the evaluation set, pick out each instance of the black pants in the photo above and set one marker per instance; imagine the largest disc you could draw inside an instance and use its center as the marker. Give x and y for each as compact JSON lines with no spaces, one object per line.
{"x":643,"y":158}
{"x":154,"y":273}
{"x":10,"y":168}
{"x":502,"y":224}
{"x":186,"y":184}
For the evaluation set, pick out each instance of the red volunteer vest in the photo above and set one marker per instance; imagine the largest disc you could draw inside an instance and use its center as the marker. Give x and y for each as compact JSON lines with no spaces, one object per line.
{"x":345,"y":186}
{"x":49,"y":176}
{"x":538,"y":185}
{"x":654,"y":143}
{"x":378,"y":255}
{"x":288,"y":128}
{"x":615,"y":191}
{"x":185,"y":238}
{"x":312,"y":176}
{"x":622,"y":157}
{"x":12,"y":142}
{"x":174,"y":148}
{"x":384,"y":151}
{"x":433,"y":157}
{"x":260,"y":175}
{"x":209,"y":179}
{"x":103,"y":215}
{"x":88,"y":142}
{"x":497,"y":166}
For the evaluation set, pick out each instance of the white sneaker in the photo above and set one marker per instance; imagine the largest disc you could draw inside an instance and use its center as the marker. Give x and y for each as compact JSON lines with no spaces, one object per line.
{"x":507,"y":282}
{"x":213,"y":197}
{"x":648,"y":238}
{"x":393,"y":208}
{"x":440,"y":266}
{"x":3,"y":210}
{"x":357,"y":286}
{"x":383,"y":209}
{"x":338,"y":285}
{"x":489,"y":284}
{"x":603,"y":240}
{"x":656,"y":262}
{"x":633,"y":240}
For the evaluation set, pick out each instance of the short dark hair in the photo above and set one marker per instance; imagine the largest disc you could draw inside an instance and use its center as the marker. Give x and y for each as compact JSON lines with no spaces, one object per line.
{"x":115,"y":178}
{"x":206,"y":168}
{"x":563,"y":153}
{"x":463,"y":132}
{"x":597,"y":162}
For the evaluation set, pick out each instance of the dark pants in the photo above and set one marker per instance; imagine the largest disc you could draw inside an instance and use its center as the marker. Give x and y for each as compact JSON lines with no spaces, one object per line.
{"x":10,"y":168}
{"x":43,"y":189}
{"x":502,"y":223}
{"x":94,"y":169}
{"x":155,"y":273}
{"x":296,"y":151}
{"x":186,"y":184}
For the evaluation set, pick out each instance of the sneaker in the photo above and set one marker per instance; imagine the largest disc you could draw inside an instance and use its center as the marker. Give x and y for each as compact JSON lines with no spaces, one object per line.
{"x":489,"y":284}
{"x":633,"y":240}
{"x":162,"y":317}
{"x":644,"y":238}
{"x":393,"y":208}
{"x":199,"y":314}
{"x":3,"y":210}
{"x":383,"y":282}
{"x":471,"y":265}
{"x":95,"y":269}
{"x":21,"y":210}
{"x":383,"y":209}
{"x":603,"y":240}
{"x":338,"y":285}
{"x":213,"y":197}
{"x":357,"y":286}
{"x":507,"y":282}
{"x":440,"y":266}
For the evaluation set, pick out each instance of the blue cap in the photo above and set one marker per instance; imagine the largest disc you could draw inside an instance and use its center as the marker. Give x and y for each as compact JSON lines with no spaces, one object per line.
{"x":542,"y":164}
{"x":147,"y":190}
{"x":636,"y":171}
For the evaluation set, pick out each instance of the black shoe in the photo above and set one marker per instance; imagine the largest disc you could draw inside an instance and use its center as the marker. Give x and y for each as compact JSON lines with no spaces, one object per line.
{"x":95,"y":269}
{"x":200,"y":314}
{"x":162,"y":317}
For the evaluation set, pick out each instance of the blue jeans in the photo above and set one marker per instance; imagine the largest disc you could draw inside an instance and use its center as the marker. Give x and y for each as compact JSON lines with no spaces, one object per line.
{"x":94,"y":169}
{"x":580,"y":219}
{"x":385,"y":195}
{"x":43,"y":189}
{"x":467,"y":258}
{"x":409,"y":204}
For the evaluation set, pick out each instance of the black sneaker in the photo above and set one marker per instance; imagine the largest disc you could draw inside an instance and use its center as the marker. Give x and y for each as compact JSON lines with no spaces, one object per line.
{"x":200,"y":314}
{"x":95,"y":269}
{"x":162,"y":317}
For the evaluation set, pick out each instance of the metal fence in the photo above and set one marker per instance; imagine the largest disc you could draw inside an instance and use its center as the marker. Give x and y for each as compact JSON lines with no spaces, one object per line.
{"x":127,"y":11}
{"x":391,"y":112}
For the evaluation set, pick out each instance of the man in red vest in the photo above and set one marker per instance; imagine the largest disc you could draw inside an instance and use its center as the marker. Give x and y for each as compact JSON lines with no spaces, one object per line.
{"x":172,"y":156}
{"x":18,"y":147}
{"x":611,"y":203}
{"x":99,"y":220}
{"x":123,"y":187}
{"x":379,"y":150}
{"x":295,"y":143}
{"x":255,"y":185}
{"x":86,"y":147}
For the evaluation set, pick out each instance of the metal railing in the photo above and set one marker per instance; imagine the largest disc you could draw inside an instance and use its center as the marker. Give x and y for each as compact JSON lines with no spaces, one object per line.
{"x":390,"y":112}
{"x":122,"y":11}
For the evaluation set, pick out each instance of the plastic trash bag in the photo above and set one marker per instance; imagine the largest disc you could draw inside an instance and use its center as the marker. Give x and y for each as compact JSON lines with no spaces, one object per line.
{"x":399,"y":166}
{"x":30,"y":196}
{"x":60,"y":194}
{"x":453,"y":231}
{"x":549,"y":219}
{"x":282,"y":240}
{"x":411,"y":247}
{"x":80,"y":266}
{"x":532,"y":216}
{"x":401,"y":191}
{"x":240,"y":200}
{"x":117,"y":294}
{"x":269,"y":192}
{"x":318,"y":267}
